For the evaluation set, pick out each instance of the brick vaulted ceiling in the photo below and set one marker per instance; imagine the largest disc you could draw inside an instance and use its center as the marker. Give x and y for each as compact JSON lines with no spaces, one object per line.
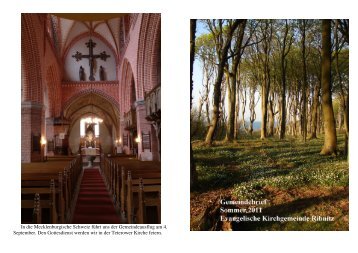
{"x":64,"y":31}
{"x":66,"y":28}
{"x":92,"y":105}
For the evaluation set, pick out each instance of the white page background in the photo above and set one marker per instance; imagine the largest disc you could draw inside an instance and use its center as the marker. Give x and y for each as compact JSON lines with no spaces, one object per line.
{"x":175,"y":130}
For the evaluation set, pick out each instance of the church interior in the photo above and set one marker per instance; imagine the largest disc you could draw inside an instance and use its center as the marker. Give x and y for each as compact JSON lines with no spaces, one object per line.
{"x":90,"y":118}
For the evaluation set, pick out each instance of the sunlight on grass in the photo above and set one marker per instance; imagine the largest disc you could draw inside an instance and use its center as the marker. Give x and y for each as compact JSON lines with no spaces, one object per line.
{"x":279,"y":170}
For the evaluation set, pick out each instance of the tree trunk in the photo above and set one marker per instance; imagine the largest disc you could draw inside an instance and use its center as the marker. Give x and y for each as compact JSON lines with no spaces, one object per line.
{"x":315,"y":111}
{"x":283,"y":83}
{"x":319,"y":117}
{"x":192,"y":55}
{"x":207,"y":112}
{"x":207,"y":100}
{"x":266,"y":76}
{"x":304,"y":91}
{"x":231,"y":94}
{"x":346,"y":126}
{"x":295,"y":106}
{"x":264,"y":112}
{"x":264,"y":102}
{"x":198,"y":123}
{"x":243,"y":101}
{"x":252,"y":110}
{"x":271,"y":119}
{"x":340,"y":114}
{"x":193,"y":173}
{"x":237,"y":108}
{"x":232,"y":85}
{"x":223,"y":51}
{"x":330,"y":137}
{"x":223,"y":115}
{"x":216,"y":105}
{"x":283,"y":104}
{"x":343,"y":119}
{"x":206,"y":80}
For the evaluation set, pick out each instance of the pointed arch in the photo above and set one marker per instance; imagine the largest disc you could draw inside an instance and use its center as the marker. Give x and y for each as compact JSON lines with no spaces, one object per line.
{"x":88,"y":102}
{"x":129,"y":91}
{"x":94,"y":91}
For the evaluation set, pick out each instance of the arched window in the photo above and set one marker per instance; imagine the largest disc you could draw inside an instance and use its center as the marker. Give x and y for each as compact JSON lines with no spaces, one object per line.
{"x":85,"y":122}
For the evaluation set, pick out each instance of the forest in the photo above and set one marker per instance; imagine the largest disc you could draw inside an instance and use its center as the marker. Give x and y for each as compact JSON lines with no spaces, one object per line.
{"x":270,"y":121}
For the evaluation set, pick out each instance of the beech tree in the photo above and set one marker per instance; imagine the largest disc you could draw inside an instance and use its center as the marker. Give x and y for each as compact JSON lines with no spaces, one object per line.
{"x":284,"y":65}
{"x":330,"y":137}
{"x":205,"y":50}
{"x":316,"y":94}
{"x":252,"y":77}
{"x":285,"y":47}
{"x":193,"y":174}
{"x":342,"y":26}
{"x":222,"y":44}
{"x":303,"y":26}
{"x":231,"y":72}
{"x":266,"y":30}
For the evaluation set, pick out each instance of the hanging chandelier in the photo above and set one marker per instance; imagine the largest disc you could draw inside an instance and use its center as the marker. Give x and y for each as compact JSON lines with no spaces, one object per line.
{"x":94,"y":120}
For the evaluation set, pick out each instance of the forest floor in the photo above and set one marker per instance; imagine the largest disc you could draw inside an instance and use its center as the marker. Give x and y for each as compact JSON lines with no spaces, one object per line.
{"x":291,"y":175}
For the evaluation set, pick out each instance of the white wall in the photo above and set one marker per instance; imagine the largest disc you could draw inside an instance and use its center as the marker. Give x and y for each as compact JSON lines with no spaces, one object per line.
{"x":105,"y":138}
{"x":74,"y":137}
{"x":72,"y":66}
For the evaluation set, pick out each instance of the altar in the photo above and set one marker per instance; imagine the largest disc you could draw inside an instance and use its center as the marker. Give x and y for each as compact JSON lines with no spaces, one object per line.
{"x":90,"y":155}
{"x":90,"y":146}
{"x":90,"y":151}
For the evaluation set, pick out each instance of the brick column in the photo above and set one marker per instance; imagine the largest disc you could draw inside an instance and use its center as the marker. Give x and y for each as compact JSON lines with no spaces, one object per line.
{"x":50,"y":133}
{"x":32,"y":118}
{"x":122,"y":131}
{"x":155,"y":142}
{"x":143,"y":126}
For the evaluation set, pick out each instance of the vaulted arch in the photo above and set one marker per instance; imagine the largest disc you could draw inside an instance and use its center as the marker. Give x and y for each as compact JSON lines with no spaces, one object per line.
{"x":95,"y":97}
{"x":128,"y":88}
{"x":92,"y":104}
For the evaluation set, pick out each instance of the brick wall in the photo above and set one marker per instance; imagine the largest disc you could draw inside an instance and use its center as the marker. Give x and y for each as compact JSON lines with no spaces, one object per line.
{"x":32,"y":116}
{"x":32,"y":110}
{"x":71,"y":90}
{"x":147,"y":54}
{"x":140,"y":63}
{"x":31,"y":55}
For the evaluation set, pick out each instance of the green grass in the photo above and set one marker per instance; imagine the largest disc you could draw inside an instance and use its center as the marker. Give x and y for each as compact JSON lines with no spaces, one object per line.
{"x":252,"y":169}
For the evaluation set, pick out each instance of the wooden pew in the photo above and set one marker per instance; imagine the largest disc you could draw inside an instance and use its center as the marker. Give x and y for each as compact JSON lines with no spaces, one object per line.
{"x":142,"y":193}
{"x":37,"y":209}
{"x":135,"y":174}
{"x":62,"y":184}
{"x":144,"y":201}
{"x":38,"y":175}
{"x":35,"y":206}
{"x":42,"y":185}
{"x":115,"y":171}
{"x":60,"y":158}
{"x":49,"y":196}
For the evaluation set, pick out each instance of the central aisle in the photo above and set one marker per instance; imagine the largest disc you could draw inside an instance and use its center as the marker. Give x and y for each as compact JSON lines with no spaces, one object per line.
{"x":94,"y":205}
